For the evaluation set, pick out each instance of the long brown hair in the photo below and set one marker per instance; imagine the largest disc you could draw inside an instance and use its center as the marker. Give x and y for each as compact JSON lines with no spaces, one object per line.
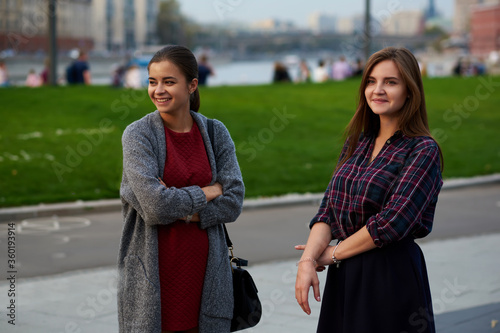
{"x":185,"y":60}
{"x":412,"y":116}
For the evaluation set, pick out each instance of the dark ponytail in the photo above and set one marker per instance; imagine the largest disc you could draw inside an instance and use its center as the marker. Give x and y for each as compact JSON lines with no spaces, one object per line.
{"x":194,"y":100}
{"x":185,"y":60}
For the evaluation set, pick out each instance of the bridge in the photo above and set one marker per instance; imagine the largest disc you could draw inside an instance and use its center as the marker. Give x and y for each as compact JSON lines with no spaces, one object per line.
{"x":351,"y":45}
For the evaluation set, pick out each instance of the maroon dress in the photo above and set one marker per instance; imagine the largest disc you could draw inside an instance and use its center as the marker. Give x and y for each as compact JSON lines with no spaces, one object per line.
{"x":183,"y":247}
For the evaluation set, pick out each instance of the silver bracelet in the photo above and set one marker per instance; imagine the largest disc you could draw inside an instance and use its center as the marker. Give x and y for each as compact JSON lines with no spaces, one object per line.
{"x":307,"y":259}
{"x":335,"y":260}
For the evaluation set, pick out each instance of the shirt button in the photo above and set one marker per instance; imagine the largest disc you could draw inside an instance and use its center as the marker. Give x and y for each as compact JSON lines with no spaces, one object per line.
{"x":388,"y":141}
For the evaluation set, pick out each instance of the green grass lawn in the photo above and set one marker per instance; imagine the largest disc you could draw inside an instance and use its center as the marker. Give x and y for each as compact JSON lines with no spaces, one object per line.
{"x":63,"y":144}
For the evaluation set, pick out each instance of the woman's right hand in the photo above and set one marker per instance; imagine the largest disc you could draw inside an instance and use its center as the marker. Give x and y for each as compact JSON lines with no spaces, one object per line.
{"x":319,"y":238}
{"x":321,"y":262}
{"x":212,"y":191}
{"x":306,"y":277}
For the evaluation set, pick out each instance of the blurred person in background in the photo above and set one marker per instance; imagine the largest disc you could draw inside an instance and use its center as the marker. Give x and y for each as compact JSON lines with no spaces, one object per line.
{"x":381,"y":197}
{"x":204,"y":70}
{"x":457,"y":69}
{"x":33,"y":80}
{"x":320,"y":73}
{"x":78,"y":72}
{"x":358,"y":68}
{"x":341,"y":69}
{"x":480,"y":67}
{"x":44,"y":75}
{"x":280,"y":73}
{"x":133,"y":78}
{"x":118,"y":75}
{"x":4,"y":74}
{"x":304,"y":74}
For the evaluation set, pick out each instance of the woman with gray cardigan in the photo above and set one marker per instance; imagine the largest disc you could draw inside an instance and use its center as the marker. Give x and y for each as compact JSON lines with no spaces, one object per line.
{"x":176,"y":191}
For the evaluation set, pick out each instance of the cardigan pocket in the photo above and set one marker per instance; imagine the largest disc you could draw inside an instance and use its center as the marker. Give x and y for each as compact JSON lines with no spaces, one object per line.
{"x":137,"y":295}
{"x":220,"y":301}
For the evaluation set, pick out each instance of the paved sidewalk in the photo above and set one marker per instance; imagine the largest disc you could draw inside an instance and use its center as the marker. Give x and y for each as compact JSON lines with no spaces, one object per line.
{"x":464,"y":275}
{"x":79,"y":206}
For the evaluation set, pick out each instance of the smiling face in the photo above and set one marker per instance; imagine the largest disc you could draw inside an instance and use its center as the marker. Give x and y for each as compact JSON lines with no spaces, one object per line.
{"x":385,"y":90}
{"x":168,"y":89}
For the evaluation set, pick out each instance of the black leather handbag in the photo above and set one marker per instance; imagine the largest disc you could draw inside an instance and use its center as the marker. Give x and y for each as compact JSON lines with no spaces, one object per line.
{"x":247,"y":307}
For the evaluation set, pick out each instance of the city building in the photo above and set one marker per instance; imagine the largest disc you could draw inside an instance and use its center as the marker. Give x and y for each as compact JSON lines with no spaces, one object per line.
{"x":405,"y":23}
{"x":272,"y":25}
{"x":354,"y":24}
{"x":434,"y":19}
{"x":319,"y":22}
{"x":358,"y":23}
{"x":461,"y":19}
{"x":484,"y":30}
{"x":124,"y":24}
{"x":10,"y":12}
{"x":99,"y":25}
{"x":24,"y":25}
{"x":431,"y":11}
{"x":441,"y":22}
{"x":345,"y":25}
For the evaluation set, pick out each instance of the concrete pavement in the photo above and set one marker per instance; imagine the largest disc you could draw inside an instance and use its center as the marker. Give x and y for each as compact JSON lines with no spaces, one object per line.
{"x":464,"y":274}
{"x":79,"y":206}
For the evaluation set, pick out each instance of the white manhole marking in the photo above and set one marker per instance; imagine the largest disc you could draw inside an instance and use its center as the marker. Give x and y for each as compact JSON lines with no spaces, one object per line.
{"x":51,"y":224}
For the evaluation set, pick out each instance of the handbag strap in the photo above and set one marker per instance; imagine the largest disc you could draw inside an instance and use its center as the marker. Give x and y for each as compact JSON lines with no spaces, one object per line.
{"x":210,"y":130}
{"x":237,"y":261}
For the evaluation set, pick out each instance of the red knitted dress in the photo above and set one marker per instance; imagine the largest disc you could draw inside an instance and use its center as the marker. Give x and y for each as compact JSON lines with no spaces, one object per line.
{"x":183,"y":247}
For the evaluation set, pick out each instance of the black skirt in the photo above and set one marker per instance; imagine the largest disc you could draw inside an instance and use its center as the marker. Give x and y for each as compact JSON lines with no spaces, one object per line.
{"x":385,"y":290}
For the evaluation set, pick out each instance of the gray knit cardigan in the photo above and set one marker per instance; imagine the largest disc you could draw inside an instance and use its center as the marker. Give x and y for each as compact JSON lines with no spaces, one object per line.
{"x":146,"y":204}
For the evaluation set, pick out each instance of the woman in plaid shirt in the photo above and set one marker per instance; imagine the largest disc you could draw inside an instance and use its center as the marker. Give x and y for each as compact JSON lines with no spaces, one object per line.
{"x":381,"y":197}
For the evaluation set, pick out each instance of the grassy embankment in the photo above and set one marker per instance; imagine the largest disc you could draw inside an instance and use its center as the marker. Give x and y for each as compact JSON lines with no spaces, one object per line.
{"x":63,"y":144}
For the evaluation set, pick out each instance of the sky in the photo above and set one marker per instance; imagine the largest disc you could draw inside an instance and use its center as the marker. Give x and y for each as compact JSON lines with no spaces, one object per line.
{"x":298,"y":11}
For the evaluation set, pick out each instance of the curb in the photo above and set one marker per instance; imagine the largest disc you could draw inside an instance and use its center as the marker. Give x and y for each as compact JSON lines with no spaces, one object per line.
{"x":113,"y":205}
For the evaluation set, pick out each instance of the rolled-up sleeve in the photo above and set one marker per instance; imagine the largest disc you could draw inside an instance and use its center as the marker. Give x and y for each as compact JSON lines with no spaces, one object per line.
{"x":141,"y":189}
{"x":411,"y":205}
{"x":228,"y":206}
{"x":324,"y":214}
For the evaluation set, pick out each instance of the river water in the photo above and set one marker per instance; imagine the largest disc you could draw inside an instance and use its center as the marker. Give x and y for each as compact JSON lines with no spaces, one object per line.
{"x":226,"y":73}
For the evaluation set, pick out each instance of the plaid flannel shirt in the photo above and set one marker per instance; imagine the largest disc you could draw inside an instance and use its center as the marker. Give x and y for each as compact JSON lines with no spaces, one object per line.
{"x":394,"y":196}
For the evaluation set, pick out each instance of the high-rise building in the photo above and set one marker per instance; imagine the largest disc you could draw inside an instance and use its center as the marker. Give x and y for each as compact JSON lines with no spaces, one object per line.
{"x":127,"y":24}
{"x":461,"y":19}
{"x":405,"y":23}
{"x":430,"y":11}
{"x":10,"y":13}
{"x":101,"y":25}
{"x":345,"y":25}
{"x":320,"y":22}
{"x":272,"y":25}
{"x":24,"y":24}
{"x":484,"y":30}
